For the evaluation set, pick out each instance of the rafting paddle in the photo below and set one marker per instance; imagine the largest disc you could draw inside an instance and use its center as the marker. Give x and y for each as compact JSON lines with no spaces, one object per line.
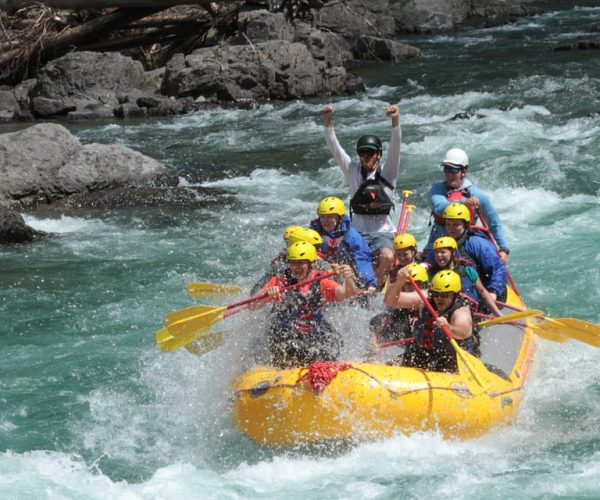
{"x":507,"y":318}
{"x":562,"y":329}
{"x":183,"y":331}
{"x":473,"y":365}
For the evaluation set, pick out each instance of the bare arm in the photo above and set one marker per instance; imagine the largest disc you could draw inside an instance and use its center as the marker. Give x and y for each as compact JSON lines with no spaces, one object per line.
{"x":461,"y":326}
{"x":348,"y":288}
{"x":395,"y":297}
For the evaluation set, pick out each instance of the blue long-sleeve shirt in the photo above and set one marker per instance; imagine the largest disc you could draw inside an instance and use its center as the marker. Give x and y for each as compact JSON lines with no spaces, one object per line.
{"x":438,"y":201}
{"x":352,"y":250}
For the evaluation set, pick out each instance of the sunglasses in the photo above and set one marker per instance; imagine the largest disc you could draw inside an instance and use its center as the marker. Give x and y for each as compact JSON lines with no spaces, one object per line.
{"x":367,"y":152}
{"x":441,"y":295}
{"x":451,"y":170}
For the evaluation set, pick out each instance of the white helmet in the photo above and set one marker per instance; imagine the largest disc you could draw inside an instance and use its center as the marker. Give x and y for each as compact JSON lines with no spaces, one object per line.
{"x":456,"y":157}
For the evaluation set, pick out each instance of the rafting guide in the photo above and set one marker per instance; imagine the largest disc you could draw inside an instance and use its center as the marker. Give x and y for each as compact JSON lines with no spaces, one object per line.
{"x":457,"y":188}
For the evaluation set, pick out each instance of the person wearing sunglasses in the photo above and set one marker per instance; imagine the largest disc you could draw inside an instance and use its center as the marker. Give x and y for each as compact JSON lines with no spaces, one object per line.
{"x":372,"y":185}
{"x":431,"y":350}
{"x":457,"y":188}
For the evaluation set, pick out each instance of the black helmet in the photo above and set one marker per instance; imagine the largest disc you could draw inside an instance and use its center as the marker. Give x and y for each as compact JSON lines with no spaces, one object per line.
{"x":369,"y":143}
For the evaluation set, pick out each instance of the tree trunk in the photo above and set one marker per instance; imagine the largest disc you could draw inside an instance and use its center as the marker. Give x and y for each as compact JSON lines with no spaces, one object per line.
{"x":13,"y":5}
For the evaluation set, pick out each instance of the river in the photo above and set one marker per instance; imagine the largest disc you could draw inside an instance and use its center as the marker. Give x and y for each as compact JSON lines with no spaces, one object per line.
{"x":91,"y":409}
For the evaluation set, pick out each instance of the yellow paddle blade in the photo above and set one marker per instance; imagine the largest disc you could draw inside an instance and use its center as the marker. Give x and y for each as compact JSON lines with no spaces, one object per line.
{"x":511,"y":317}
{"x":208,"y":342}
{"x":469,"y":363}
{"x":568,"y":328}
{"x":212,"y":289}
{"x":167,"y":342}
{"x":549,"y":331}
{"x":183,"y":314}
{"x":201,"y":321}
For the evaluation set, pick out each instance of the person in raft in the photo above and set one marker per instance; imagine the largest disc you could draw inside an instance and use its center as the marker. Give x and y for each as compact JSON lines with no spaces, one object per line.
{"x":299,"y":334}
{"x":431,"y":350}
{"x":446,"y":257}
{"x":476,"y":250}
{"x":395,"y":324}
{"x":342,"y":244}
{"x":292,"y":234}
{"x":371,"y":185}
{"x":456,"y":188}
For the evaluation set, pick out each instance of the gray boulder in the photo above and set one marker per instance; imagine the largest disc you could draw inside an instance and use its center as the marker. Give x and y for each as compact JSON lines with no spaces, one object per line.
{"x":13,"y":228}
{"x":88,"y":85}
{"x":266,"y":70}
{"x":380,"y":49}
{"x":45,"y":162}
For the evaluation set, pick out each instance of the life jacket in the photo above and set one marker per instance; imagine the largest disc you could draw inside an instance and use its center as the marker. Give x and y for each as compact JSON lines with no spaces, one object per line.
{"x":456,"y":196}
{"x":299,"y":315}
{"x":299,"y":334}
{"x":370,"y":197}
{"x":432,"y":350}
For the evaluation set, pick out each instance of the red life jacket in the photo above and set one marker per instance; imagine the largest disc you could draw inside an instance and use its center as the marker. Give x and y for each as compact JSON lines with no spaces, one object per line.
{"x":456,"y":197}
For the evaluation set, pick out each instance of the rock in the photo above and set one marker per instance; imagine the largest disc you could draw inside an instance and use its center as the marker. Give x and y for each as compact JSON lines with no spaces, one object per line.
{"x":9,"y":106}
{"x":85,"y":85}
{"x":267,"y":70}
{"x":44,"y":162}
{"x":13,"y":228}
{"x":121,"y":197}
{"x":261,"y":26}
{"x":379,"y":49}
{"x":579,"y":45}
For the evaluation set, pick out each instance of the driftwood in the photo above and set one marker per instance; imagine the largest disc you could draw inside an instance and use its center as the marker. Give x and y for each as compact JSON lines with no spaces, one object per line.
{"x":45,"y":33}
{"x":14,"y":5}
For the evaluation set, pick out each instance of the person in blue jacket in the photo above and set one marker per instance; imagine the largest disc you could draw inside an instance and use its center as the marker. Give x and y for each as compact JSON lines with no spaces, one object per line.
{"x":342,"y":244}
{"x":457,"y":188}
{"x":476,"y":249}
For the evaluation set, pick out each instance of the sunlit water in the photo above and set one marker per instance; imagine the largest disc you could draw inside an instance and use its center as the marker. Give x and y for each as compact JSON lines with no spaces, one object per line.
{"x":90,"y":408}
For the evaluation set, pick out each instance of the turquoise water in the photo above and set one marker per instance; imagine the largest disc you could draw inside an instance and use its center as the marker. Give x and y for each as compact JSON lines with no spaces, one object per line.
{"x":89,"y":408}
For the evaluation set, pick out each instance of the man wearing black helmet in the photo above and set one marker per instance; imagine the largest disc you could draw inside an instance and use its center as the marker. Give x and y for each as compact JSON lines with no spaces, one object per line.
{"x":371,"y":185}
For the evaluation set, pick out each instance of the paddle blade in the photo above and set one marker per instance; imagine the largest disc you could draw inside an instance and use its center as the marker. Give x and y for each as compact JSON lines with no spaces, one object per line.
{"x":188,"y":312}
{"x":569,"y":328}
{"x":507,"y":318}
{"x":467,"y":363}
{"x":168,"y":343}
{"x":212,"y":289}
{"x":193,"y":324}
{"x":208,"y":342}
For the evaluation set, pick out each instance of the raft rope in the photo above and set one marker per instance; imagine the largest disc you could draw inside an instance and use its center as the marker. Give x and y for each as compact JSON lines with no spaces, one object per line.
{"x":321,"y":373}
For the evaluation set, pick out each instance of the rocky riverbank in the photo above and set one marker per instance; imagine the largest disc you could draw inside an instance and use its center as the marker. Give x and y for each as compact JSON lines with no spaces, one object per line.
{"x":266,"y":56}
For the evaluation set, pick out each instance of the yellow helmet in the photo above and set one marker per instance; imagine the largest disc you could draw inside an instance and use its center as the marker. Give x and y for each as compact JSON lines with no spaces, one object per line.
{"x":331,"y":206}
{"x":446,"y":281}
{"x":405,"y":240}
{"x":418,"y":272}
{"x":445,"y":242}
{"x":457,"y":211}
{"x":304,"y":234}
{"x":288,"y":230}
{"x":302,"y":250}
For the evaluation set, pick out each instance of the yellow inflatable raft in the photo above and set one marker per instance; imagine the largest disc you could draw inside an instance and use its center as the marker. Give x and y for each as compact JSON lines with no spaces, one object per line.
{"x":363,"y":401}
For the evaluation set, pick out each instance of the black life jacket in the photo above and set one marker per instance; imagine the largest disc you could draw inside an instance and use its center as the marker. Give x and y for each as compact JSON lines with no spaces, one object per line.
{"x":371,"y":198}
{"x":432,"y":350}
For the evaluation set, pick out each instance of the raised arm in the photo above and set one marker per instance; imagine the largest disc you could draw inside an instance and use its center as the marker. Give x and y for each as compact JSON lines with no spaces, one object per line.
{"x":391,"y":167}
{"x":342,"y":158}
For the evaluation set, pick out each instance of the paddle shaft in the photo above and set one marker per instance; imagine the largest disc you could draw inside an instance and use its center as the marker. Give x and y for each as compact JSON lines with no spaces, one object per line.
{"x":401,"y":223}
